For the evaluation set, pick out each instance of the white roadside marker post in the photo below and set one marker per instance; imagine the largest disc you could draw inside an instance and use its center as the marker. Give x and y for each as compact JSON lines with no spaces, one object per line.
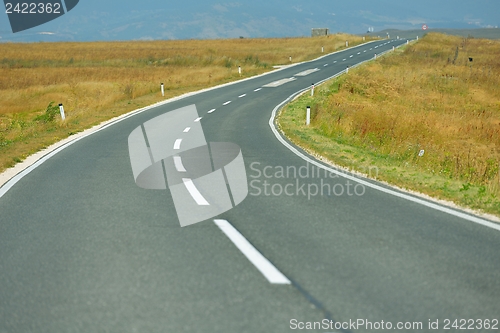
{"x":308,"y":115}
{"x":312,"y":89}
{"x":61,"y":110}
{"x":347,"y":69}
{"x":239,"y":70}
{"x":346,"y":43}
{"x":375,"y":57}
{"x":162,"y":89}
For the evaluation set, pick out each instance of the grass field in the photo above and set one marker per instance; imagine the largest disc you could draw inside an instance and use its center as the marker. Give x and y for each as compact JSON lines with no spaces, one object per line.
{"x":424,"y":118}
{"x":101,"y":80}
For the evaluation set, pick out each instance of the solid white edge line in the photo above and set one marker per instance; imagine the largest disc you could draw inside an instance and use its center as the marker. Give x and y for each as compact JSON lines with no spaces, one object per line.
{"x":270,"y":272}
{"x":177,"y":144}
{"x":308,"y":159}
{"x":178,"y":164}
{"x":200,"y":200}
{"x":187,"y":129}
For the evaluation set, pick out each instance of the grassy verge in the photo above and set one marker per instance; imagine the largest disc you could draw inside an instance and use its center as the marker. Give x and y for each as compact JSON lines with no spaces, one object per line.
{"x":101,"y":80}
{"x":424,"y":118}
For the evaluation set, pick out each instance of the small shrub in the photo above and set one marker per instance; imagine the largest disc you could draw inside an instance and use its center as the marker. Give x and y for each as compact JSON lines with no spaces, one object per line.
{"x":50,"y":113}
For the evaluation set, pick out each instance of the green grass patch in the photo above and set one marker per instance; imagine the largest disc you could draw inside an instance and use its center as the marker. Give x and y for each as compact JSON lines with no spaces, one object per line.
{"x":413,"y":119}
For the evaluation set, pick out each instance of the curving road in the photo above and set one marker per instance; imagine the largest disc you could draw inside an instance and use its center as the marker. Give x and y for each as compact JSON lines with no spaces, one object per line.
{"x":84,"y":249}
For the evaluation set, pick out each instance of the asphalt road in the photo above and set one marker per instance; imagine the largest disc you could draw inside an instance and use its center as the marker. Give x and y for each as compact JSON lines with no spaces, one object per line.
{"x":84,"y":249}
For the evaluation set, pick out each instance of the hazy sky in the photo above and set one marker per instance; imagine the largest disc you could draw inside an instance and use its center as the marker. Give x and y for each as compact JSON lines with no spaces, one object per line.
{"x":153,"y":19}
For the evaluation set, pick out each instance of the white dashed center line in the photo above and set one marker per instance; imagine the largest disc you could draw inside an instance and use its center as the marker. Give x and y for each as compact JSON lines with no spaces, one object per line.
{"x":335,"y":61}
{"x":359,"y":52}
{"x":187,"y":129}
{"x":350,"y":56}
{"x":343,"y":59}
{"x":211,"y":111}
{"x":227,"y":103}
{"x":197,"y":119}
{"x":200,"y":200}
{"x":257,"y":89}
{"x":240,"y":96}
{"x":178,"y":164}
{"x":325,"y":65}
{"x":177,"y":144}
{"x":270,"y":272}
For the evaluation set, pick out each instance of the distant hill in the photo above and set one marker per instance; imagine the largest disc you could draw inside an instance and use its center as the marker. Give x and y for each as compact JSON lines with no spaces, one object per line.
{"x":94,"y":20}
{"x":490,"y":33}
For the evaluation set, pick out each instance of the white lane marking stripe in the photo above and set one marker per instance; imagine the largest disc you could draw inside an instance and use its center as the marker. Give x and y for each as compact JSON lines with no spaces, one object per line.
{"x":197,"y":119}
{"x":177,"y":144}
{"x":350,"y":56}
{"x":335,"y":61}
{"x":257,"y":89}
{"x":325,"y":65}
{"x":178,"y":164}
{"x":359,"y":53}
{"x":200,"y":200}
{"x":432,"y":205}
{"x":343,"y":59}
{"x":270,"y":272}
{"x":240,"y":96}
{"x":279,"y":82}
{"x":211,"y":111}
{"x":187,"y":129}
{"x":307,"y":72}
{"x":227,"y":103}
{"x":364,"y":51}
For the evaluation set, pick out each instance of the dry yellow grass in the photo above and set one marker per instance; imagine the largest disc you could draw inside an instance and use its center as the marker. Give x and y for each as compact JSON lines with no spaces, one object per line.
{"x":428,"y":97}
{"x":96,"y":81}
